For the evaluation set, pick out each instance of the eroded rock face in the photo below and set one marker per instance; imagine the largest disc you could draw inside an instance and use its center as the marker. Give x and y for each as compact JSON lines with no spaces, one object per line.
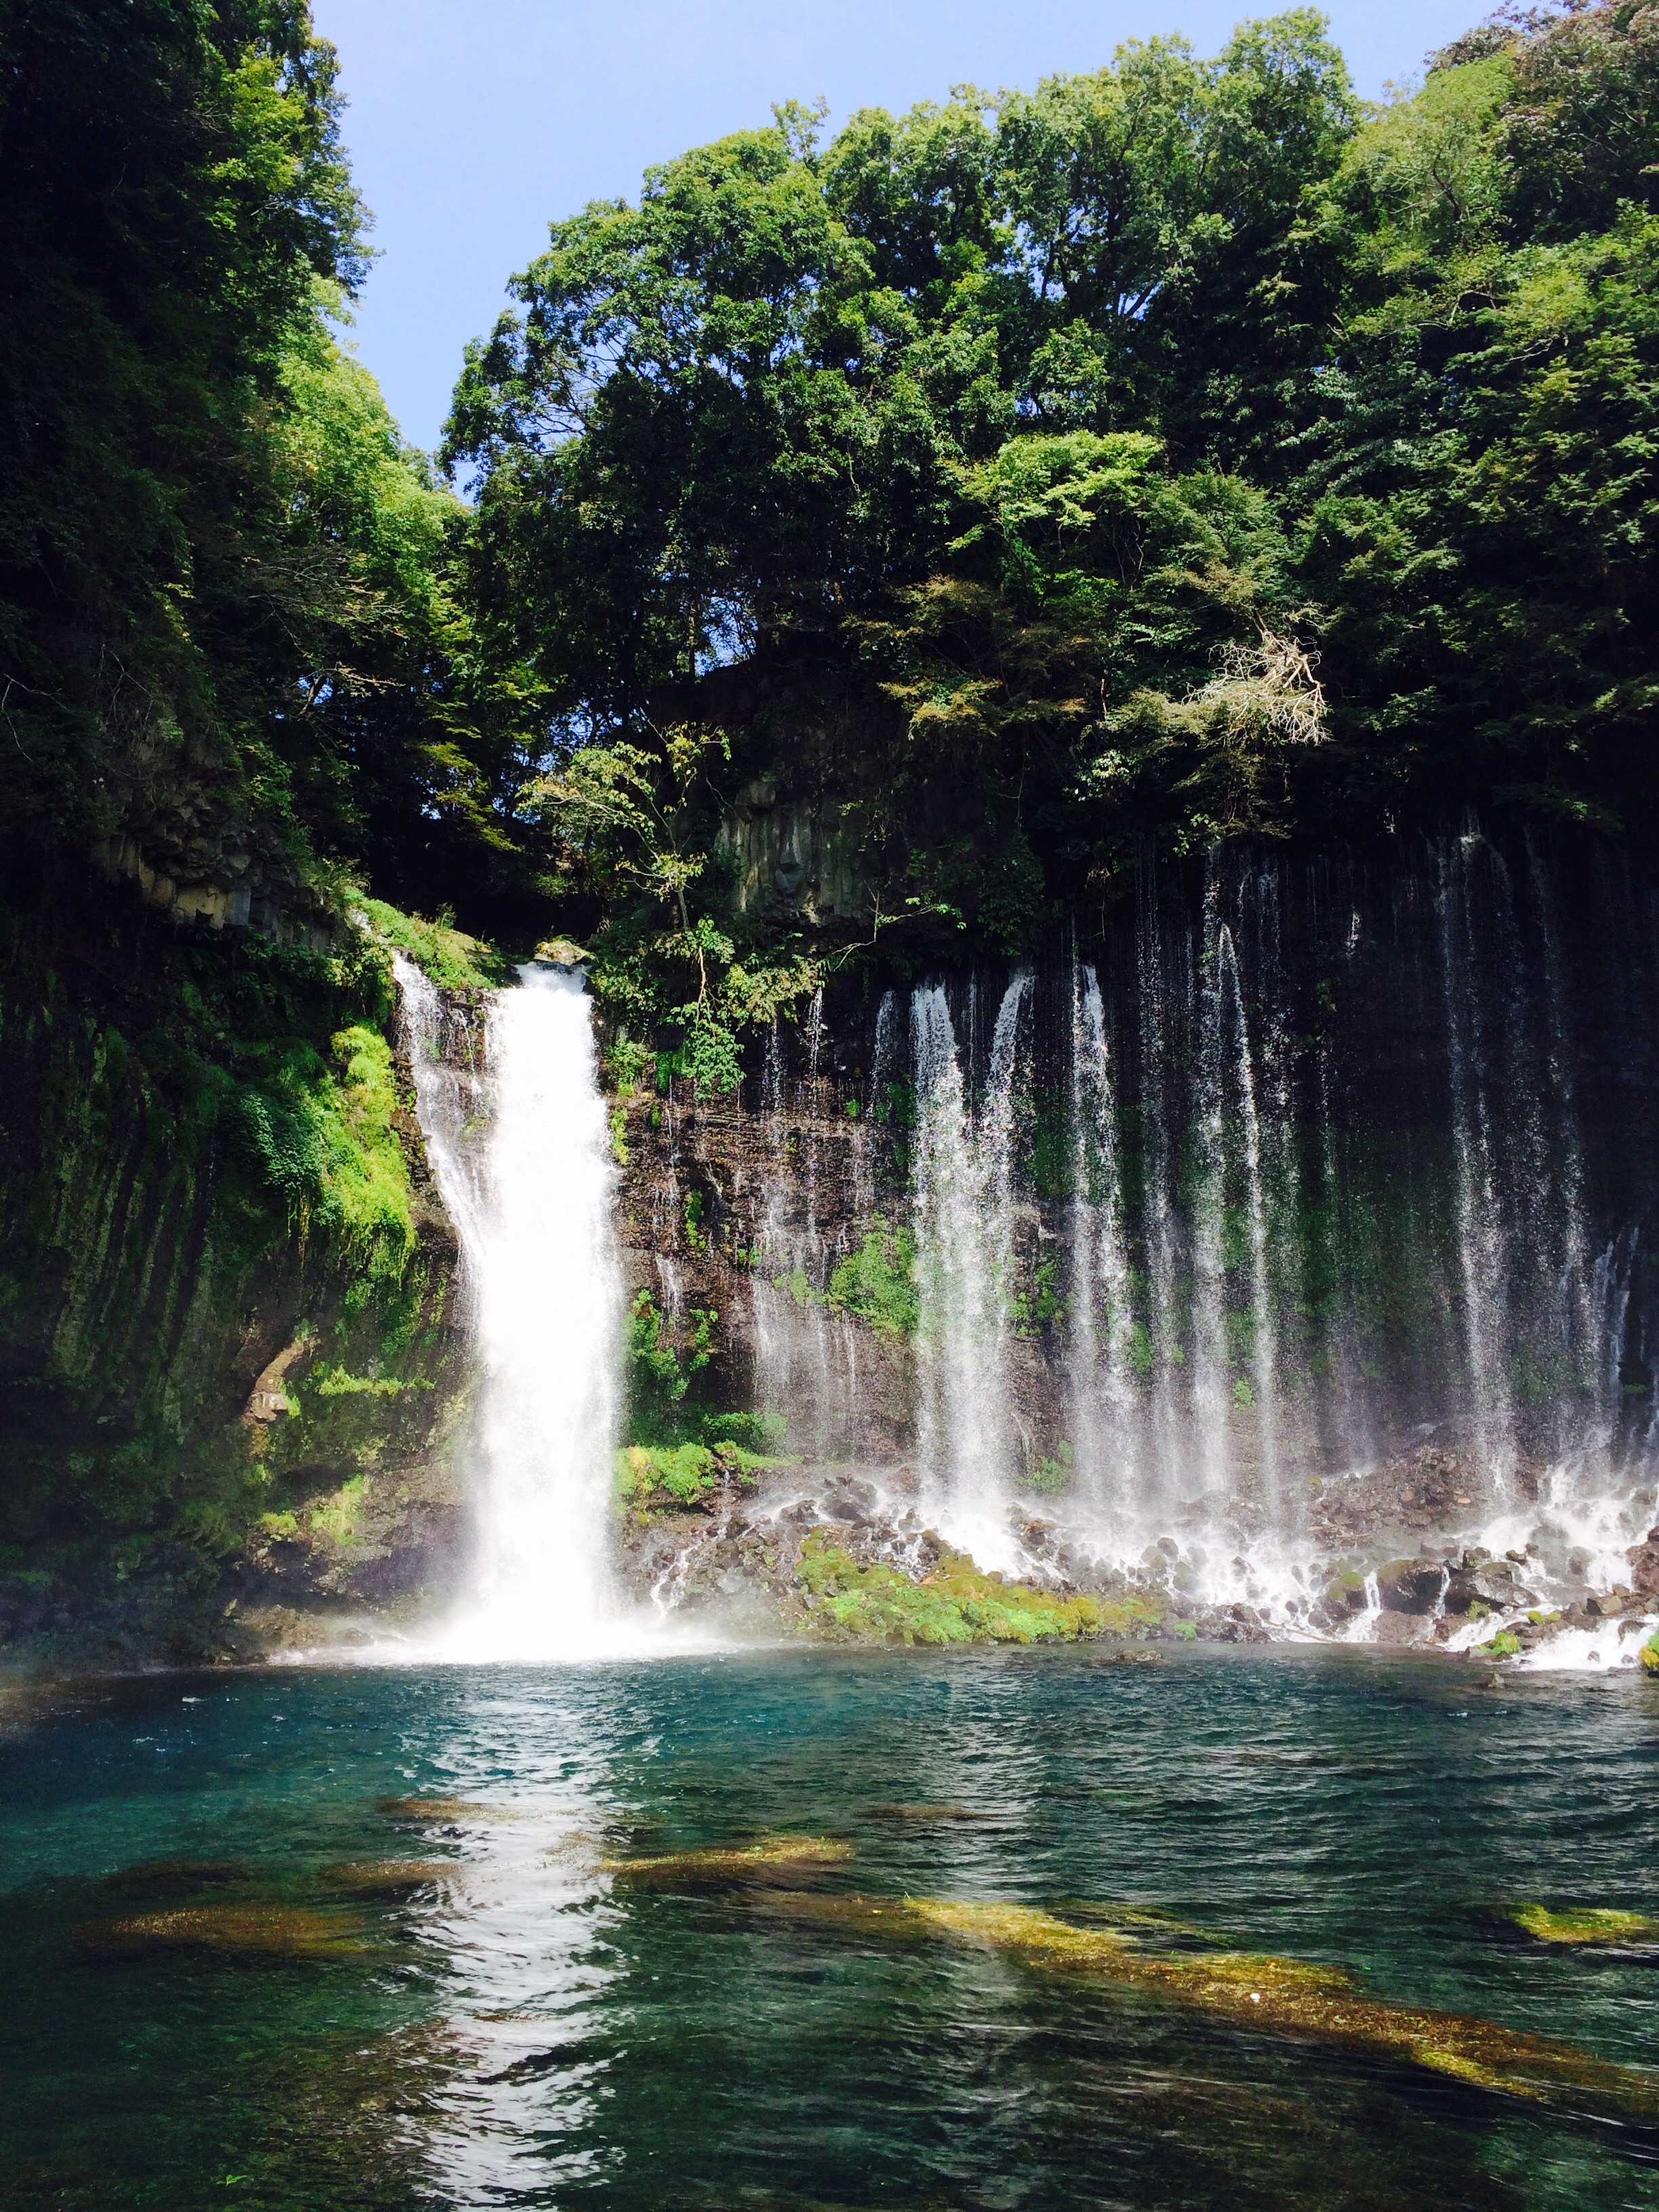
{"x":1242,"y":1307}
{"x":1644,"y":1564}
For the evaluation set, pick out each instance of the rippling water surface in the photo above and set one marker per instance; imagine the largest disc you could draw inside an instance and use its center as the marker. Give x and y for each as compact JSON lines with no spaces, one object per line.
{"x":217,"y":1994}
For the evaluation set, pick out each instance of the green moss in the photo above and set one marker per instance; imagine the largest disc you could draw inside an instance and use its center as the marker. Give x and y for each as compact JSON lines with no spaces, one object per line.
{"x":185,"y":1183}
{"x":447,"y":955}
{"x":1585,"y":1923}
{"x":955,"y":1604}
{"x":335,"y":1518}
{"x":755,"y":1432}
{"x":1649,"y":1655}
{"x":1504,"y":1645}
{"x":334,"y":1382}
{"x":321,"y":1133}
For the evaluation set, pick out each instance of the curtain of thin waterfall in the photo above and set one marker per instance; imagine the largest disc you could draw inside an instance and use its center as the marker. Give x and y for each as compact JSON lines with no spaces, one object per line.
{"x":1481,"y":1244}
{"x":1335,"y":1199}
{"x":1208,"y":1467}
{"x":964,"y":1199}
{"x":1102,"y":1340}
{"x":1162,"y":1120}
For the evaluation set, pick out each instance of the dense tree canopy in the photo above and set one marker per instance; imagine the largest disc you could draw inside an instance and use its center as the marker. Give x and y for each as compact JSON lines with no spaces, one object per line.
{"x":224,"y":624}
{"x":1175,"y":450}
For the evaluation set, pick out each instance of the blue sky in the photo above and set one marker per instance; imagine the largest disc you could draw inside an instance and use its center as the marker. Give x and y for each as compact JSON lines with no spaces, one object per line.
{"x":472,"y":126}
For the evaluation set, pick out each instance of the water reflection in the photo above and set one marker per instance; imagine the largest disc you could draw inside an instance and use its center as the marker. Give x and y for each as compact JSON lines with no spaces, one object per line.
{"x":524,"y":2013}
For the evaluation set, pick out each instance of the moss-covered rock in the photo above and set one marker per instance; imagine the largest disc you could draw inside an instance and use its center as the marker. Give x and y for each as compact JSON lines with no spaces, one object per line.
{"x":954,"y":1603}
{"x":1583,"y":1924}
{"x":1303,"y":1999}
{"x":771,"y":1859}
{"x":454,"y":961}
{"x":260,"y":1930}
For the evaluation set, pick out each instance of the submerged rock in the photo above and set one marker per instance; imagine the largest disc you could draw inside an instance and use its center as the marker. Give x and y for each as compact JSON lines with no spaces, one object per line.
{"x":163,"y":1878}
{"x":1583,"y":1924}
{"x":236,"y":1931}
{"x":1294,"y":1998}
{"x":927,"y":1813}
{"x":389,"y":1877}
{"x":423,"y":1810}
{"x":747,"y":1862}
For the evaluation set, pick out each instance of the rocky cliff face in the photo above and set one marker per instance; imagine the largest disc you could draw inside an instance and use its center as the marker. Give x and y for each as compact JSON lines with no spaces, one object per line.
{"x":229,"y":1363}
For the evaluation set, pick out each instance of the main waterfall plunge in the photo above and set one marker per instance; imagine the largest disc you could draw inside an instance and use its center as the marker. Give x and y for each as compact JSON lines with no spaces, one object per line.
{"x":531,"y":1191}
{"x":1309,"y":1213}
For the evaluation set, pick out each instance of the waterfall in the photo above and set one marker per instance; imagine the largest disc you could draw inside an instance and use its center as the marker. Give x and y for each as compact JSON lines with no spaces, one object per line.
{"x":1264,"y":1323}
{"x":1284,"y":1200}
{"x":532,"y":1207}
{"x":1102,"y":1379}
{"x":1211,"y":1396}
{"x":1582,"y":1312}
{"x":1164,"y":1349}
{"x":964,"y":1178}
{"x":807,"y":1357}
{"x":1481,"y":1243}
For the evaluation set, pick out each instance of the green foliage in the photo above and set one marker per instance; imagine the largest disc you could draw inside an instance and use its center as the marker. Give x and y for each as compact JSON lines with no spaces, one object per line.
{"x":320,"y":1132}
{"x":227,"y":626}
{"x":1504,"y":1645}
{"x":179,"y":1186}
{"x":1174,"y":449}
{"x":1051,"y":1475}
{"x":754,"y":1432}
{"x":876,"y":1282}
{"x":330,"y":1382}
{"x":659,"y":1371}
{"x":450,"y":958}
{"x":677,"y":1478}
{"x":955,"y":1604}
{"x":1041,"y":1302}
